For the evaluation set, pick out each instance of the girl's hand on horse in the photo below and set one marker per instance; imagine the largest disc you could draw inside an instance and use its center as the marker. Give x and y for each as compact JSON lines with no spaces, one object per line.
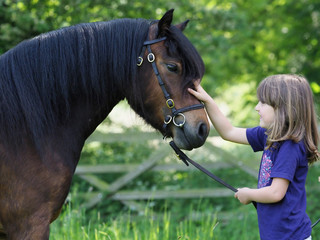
{"x":200,"y":93}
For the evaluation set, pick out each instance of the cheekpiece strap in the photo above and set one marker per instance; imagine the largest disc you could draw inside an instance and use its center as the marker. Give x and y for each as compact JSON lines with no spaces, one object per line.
{"x":169,"y":101}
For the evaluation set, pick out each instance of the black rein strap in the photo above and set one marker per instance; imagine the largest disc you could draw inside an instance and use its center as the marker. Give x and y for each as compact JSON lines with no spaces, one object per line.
{"x":187,"y":160}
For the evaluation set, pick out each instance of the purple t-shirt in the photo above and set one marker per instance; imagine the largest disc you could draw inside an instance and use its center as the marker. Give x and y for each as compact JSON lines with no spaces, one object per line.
{"x":286,"y":219}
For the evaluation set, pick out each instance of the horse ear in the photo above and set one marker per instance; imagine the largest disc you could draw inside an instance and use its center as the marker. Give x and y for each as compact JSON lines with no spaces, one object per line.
{"x":183,"y":25}
{"x":165,"y":22}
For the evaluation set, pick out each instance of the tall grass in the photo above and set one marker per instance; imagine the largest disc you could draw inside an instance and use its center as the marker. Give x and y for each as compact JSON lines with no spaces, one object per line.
{"x":77,"y":224}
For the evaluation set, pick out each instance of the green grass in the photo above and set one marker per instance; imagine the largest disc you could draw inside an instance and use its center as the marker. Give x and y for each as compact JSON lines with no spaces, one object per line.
{"x":183,"y":219}
{"x":75,"y":223}
{"x":201,"y":219}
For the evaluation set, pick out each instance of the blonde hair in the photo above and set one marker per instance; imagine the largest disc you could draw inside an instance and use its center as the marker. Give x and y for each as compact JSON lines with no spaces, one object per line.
{"x":295,"y":117}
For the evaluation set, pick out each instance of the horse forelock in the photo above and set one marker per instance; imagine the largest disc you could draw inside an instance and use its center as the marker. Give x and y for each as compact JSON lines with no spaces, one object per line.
{"x":41,"y":78}
{"x":179,"y":45}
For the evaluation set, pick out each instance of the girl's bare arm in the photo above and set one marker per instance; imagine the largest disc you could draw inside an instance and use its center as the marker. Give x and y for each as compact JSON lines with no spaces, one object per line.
{"x":223,"y":126}
{"x":271,"y":194}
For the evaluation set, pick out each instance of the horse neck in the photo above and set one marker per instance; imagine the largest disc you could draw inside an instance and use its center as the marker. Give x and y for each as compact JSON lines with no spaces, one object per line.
{"x":81,"y":79}
{"x":68,"y":139}
{"x":89,"y":118}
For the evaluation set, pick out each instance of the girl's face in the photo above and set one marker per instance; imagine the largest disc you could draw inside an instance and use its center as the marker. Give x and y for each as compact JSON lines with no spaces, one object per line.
{"x":266,"y":113}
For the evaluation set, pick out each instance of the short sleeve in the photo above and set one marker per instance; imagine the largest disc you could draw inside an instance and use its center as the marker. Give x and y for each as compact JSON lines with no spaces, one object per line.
{"x":257,"y":138}
{"x":288,"y":159}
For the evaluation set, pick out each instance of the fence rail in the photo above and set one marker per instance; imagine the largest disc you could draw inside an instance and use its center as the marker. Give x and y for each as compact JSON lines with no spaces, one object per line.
{"x":92,"y":174}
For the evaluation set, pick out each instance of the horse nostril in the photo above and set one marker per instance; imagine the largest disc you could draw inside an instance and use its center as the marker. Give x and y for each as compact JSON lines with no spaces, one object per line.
{"x":203,"y":131}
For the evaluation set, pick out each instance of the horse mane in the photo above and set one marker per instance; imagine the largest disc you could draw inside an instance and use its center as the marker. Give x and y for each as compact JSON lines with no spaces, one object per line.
{"x":40,"y":77}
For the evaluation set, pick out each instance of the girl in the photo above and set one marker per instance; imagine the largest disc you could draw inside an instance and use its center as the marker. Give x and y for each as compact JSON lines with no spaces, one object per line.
{"x":288,"y":137}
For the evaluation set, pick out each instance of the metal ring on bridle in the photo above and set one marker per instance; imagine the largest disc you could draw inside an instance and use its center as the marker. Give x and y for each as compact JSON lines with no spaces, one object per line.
{"x":179,"y":124}
{"x":151,"y":57}
{"x":168,"y":119}
{"x":140,"y":61}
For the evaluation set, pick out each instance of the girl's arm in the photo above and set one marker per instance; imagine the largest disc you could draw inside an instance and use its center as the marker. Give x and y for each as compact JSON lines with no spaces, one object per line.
{"x":271,"y":194}
{"x":218,"y":119}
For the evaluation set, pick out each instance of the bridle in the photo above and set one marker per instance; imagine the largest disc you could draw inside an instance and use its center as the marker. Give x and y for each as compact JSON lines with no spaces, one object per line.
{"x":179,"y":112}
{"x":169,"y":101}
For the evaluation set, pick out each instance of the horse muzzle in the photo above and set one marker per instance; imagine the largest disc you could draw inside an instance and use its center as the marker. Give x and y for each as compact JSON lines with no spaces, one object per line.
{"x":186,"y":134}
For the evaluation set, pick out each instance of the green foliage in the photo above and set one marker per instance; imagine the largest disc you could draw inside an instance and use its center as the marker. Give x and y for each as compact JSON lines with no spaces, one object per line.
{"x":312,"y":188}
{"x":241,"y":42}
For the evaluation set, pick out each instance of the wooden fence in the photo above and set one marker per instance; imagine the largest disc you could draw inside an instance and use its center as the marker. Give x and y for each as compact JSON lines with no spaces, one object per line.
{"x":112,"y":190}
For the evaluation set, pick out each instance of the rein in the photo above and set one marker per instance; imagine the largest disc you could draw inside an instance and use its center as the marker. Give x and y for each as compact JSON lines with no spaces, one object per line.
{"x":182,"y":156}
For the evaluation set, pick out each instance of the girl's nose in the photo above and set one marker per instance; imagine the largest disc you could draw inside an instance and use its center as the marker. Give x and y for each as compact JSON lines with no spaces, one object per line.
{"x":257,"y":107}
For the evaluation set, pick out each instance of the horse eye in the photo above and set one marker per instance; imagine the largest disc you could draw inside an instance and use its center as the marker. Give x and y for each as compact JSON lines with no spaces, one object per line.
{"x":172,"y":67}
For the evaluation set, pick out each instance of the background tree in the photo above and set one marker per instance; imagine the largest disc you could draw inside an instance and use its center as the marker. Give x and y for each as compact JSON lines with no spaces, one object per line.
{"x":240,"y":41}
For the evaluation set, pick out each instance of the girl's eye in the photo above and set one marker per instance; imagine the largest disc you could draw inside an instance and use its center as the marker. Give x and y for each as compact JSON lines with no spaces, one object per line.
{"x":172,"y":67}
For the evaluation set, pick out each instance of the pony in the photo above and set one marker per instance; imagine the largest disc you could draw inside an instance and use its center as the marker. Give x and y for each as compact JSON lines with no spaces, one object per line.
{"x":56,"y":88}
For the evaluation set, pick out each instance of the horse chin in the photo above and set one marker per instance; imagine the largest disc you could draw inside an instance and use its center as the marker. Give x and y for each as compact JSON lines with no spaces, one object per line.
{"x":182,"y":143}
{"x":187,"y":138}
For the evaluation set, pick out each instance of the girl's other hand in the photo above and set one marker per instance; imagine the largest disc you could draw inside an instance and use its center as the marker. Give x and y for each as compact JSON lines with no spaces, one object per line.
{"x":243,"y":195}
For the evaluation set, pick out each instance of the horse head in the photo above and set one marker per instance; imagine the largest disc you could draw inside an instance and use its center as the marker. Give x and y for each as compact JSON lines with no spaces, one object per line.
{"x":167,"y":66}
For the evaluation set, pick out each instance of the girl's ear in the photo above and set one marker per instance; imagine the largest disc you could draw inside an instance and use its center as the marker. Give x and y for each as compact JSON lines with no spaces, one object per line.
{"x":182,"y":26}
{"x":165,"y":23}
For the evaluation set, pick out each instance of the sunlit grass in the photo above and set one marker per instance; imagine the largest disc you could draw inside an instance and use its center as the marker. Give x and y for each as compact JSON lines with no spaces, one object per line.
{"x":74,"y":223}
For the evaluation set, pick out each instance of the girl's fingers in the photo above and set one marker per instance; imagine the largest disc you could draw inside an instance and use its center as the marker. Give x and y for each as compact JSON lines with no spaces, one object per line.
{"x":193,"y":92}
{"x":197,"y":87}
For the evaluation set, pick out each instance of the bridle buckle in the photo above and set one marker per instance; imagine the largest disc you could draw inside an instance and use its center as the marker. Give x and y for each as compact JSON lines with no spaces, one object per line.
{"x":170,"y":103}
